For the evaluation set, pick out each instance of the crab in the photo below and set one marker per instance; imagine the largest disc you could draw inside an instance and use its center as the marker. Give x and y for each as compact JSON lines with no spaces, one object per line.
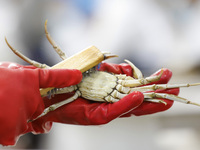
{"x":107,"y":87}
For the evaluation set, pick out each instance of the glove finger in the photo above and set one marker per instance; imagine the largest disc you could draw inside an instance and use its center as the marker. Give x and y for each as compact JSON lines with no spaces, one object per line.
{"x":10,"y":65}
{"x":150,"y":107}
{"x":59,"y":77}
{"x":117,"y":68}
{"x":106,"y":112}
{"x":126,"y":69}
{"x":109,"y":67}
{"x":29,"y":67}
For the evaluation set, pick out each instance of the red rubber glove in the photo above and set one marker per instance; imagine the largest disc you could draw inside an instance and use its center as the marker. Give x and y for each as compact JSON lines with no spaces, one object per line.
{"x":20,"y":99}
{"x":85,"y":112}
{"x":146,"y":107}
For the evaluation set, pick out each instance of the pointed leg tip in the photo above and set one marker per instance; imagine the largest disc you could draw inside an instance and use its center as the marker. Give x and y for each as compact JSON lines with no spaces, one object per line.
{"x":45,"y":24}
{"x":163,"y":102}
{"x":108,"y":56}
{"x":6,"y":40}
{"x":9,"y":44}
{"x":161,"y":73}
{"x":193,"y":103}
{"x":137,"y":74}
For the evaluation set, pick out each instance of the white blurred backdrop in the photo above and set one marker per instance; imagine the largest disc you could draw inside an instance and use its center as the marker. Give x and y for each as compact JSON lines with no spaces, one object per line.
{"x":150,"y":33}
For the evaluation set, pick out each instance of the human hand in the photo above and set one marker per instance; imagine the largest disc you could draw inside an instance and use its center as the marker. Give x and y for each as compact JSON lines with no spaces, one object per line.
{"x":20,"y":99}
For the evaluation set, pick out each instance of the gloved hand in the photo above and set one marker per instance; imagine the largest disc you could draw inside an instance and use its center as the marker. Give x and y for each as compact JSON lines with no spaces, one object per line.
{"x":146,"y":107}
{"x":85,"y":112}
{"x":20,"y":99}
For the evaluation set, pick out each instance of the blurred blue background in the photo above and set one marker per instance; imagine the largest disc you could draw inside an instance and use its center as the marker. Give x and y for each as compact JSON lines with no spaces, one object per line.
{"x":150,"y":33}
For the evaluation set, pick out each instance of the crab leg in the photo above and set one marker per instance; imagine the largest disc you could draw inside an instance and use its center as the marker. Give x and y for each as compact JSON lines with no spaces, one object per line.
{"x":124,"y":77}
{"x":26,"y":59}
{"x":168,"y":96}
{"x":52,"y":42}
{"x":139,"y":79}
{"x":139,"y":82}
{"x":111,"y":99}
{"x":137,"y":74}
{"x":59,"y":104}
{"x":60,"y":91}
{"x":154,"y":87}
{"x":61,"y":53}
{"x":155,"y":100}
{"x":117,"y":94}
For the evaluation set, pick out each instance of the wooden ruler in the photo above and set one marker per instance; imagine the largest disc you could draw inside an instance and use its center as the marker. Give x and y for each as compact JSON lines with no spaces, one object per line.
{"x":82,"y":61}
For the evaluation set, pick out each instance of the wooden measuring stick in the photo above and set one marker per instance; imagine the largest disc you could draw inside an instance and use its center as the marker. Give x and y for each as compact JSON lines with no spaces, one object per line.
{"x":82,"y":61}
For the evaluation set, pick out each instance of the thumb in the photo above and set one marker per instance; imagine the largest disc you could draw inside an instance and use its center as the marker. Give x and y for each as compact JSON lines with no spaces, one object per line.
{"x":59,"y":77}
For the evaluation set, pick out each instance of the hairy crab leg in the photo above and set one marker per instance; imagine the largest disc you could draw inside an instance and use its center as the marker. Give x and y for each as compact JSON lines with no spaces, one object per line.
{"x":168,"y":96}
{"x":52,"y":42}
{"x":111,"y":99}
{"x":141,"y":81}
{"x":35,"y":63}
{"x":155,"y":100}
{"x":117,"y":94}
{"x":138,"y":79}
{"x":26,"y":59}
{"x":137,"y":74}
{"x":60,"y":91}
{"x":58,"y":50}
{"x":124,"y":77}
{"x":154,"y":87}
{"x":58,"y":105}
